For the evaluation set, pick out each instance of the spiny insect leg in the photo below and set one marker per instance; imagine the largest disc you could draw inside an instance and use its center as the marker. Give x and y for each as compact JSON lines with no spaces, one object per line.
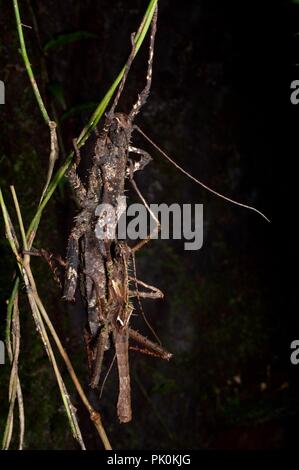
{"x":121,"y":341}
{"x":143,"y":161}
{"x":100,"y":349}
{"x":73,"y":177}
{"x":72,"y":263}
{"x":148,"y":344}
{"x":142,"y":97}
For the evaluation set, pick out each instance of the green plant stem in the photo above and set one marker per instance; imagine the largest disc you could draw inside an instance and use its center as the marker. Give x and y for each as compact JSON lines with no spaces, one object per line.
{"x":27,"y":63}
{"x":24,"y":266}
{"x":19,"y":216}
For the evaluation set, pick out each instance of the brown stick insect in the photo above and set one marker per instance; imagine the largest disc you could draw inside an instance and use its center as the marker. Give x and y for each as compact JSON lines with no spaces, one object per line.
{"x":102,"y":266}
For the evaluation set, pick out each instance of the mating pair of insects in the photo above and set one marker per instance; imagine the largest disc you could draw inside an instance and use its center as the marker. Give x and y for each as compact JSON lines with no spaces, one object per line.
{"x":103,"y":266}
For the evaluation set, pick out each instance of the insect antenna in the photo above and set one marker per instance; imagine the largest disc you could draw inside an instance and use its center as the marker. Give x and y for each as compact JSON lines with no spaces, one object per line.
{"x":196,"y":180}
{"x":107,"y":375}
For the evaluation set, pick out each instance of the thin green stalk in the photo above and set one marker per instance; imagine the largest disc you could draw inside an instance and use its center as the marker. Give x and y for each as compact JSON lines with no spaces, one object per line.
{"x":52,"y":125}
{"x":19,"y":216}
{"x":31,"y":287}
{"x":70,"y":410}
{"x":27,"y":63}
{"x":9,"y":309}
{"x":10,"y":233}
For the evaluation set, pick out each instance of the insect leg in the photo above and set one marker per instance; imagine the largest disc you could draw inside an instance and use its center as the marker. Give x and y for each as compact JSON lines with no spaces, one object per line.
{"x":142,"y":97}
{"x":72,"y":257}
{"x":154,"y":294}
{"x":155,"y":290}
{"x":145,"y":158}
{"x":100,"y":349}
{"x":73,"y":178}
{"x":158,"y":226}
{"x":148,"y":344}
{"x":121,"y":341}
{"x":87,"y":339}
{"x":136,"y":293}
{"x":123,"y":81}
{"x":52,"y":261}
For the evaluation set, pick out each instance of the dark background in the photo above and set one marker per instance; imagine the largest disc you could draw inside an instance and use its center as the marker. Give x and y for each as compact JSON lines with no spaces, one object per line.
{"x":220,"y":107}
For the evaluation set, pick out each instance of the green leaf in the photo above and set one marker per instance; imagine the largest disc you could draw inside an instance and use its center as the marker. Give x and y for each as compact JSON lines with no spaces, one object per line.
{"x":63,"y":39}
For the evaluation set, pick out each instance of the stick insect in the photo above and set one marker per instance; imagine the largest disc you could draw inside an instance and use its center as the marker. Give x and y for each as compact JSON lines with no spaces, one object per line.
{"x":102,"y":266}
